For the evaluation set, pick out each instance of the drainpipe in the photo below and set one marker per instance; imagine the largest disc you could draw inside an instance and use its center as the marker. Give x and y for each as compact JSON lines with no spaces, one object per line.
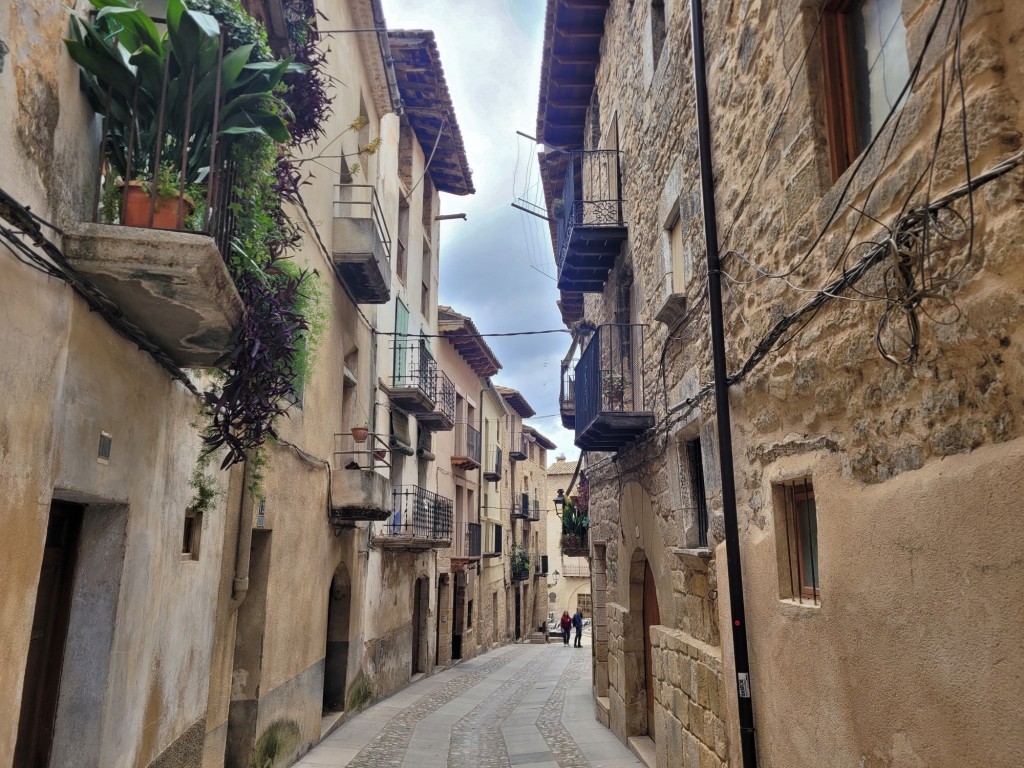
{"x":243,"y":543}
{"x":732,"y":539}
{"x":385,"y":56}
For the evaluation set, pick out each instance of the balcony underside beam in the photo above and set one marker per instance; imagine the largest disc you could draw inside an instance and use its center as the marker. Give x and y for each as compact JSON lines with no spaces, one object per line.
{"x":611,"y":431}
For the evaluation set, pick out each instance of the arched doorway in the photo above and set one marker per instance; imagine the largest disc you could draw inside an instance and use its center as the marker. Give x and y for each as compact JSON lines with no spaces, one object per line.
{"x":339,"y":606}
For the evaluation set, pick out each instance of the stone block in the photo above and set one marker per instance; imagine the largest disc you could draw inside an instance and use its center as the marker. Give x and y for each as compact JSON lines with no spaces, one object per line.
{"x":709,"y":759}
{"x":695,"y":718}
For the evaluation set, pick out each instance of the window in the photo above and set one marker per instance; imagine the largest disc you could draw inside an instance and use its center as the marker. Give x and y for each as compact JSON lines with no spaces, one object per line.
{"x":698,"y":498}
{"x":864,"y":49}
{"x":469,"y":614}
{"x":584,"y":602}
{"x":798,"y":540}
{"x":682,"y":258}
{"x":426,"y":277}
{"x":401,"y":258}
{"x":657,"y":28}
{"x":191,"y":535}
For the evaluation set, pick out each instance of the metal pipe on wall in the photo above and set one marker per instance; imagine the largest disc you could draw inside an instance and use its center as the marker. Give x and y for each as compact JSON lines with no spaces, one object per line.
{"x":732,"y":540}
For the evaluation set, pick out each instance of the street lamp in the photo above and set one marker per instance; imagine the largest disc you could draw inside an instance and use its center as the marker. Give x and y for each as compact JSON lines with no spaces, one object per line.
{"x":559,"y":500}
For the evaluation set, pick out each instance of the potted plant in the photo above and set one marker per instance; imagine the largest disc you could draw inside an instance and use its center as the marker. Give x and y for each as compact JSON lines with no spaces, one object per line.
{"x":614,"y":387}
{"x":359,"y":434}
{"x":158,"y":94}
{"x":520,"y":562}
{"x":575,"y":525}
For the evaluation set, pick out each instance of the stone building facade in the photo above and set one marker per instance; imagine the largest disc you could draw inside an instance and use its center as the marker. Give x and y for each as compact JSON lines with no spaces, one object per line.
{"x":868,"y":222}
{"x":568,"y":581}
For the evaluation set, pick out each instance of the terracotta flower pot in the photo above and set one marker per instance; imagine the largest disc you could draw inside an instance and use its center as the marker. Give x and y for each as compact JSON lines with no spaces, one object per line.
{"x":165,"y":215}
{"x":380,"y":453}
{"x":359,"y":434}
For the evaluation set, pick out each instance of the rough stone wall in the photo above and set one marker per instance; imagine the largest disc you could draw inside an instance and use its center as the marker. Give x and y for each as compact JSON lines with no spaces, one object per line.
{"x":827,"y":393}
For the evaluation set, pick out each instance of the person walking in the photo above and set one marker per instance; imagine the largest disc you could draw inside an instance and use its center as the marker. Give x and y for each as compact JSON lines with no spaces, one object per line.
{"x":566,"y":625}
{"x":577,"y":622}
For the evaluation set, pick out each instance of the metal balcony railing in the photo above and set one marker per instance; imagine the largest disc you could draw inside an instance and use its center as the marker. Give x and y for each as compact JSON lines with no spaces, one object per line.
{"x":534,"y":515}
{"x":591,"y":195}
{"x":419,"y":514}
{"x":520,"y":450}
{"x":415,"y":372}
{"x":610,"y":407}
{"x":567,"y":394}
{"x":467,"y":540}
{"x":467,"y":446}
{"x":360,"y":202}
{"x":445,"y":397}
{"x":492,"y":468}
{"x":521,"y":507}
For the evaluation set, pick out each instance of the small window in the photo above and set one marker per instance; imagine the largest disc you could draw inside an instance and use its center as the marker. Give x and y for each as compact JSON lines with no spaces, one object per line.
{"x":401,"y":257}
{"x":698,"y":497}
{"x":584,"y":602}
{"x":658,"y":28}
{"x":800,"y":575}
{"x":469,"y":615}
{"x":864,"y":48}
{"x":191,"y":535}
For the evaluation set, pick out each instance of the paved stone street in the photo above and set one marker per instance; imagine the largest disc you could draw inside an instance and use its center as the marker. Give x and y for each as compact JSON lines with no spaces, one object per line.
{"x":528,"y":706}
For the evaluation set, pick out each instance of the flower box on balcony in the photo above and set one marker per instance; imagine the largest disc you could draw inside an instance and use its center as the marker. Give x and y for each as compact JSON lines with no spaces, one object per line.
{"x":173,"y":285}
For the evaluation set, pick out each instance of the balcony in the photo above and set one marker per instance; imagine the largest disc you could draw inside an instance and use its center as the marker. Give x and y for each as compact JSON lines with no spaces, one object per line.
{"x":414,"y":382}
{"x":419,"y":520}
{"x":492,"y":468}
{"x":534,"y":515}
{"x":520,"y":563}
{"x":442,"y":418}
{"x":361,"y":244}
{"x":540,"y":563}
{"x":173,"y":286}
{"x":590,"y":226}
{"x":466,"y":547}
{"x":358,"y":490}
{"x":467,"y":447}
{"x":567,"y":393}
{"x":520,"y":450}
{"x":609,"y":390}
{"x":575,"y":544}
{"x":493,"y":546}
{"x":521,"y":508}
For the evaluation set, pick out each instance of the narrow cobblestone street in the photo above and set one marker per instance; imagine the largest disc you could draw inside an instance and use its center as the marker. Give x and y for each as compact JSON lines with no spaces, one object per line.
{"x":519,"y":705}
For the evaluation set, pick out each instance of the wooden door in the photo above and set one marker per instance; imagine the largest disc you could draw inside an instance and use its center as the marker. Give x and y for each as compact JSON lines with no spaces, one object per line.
{"x":652,"y":616}
{"x":49,"y":634}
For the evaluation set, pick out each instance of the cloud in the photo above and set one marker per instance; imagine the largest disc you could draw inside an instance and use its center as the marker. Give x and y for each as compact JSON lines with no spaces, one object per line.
{"x":497,"y":266}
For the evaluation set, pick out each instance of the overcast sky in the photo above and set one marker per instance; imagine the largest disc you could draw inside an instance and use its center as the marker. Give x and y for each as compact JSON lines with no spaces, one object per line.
{"x":497,"y":266}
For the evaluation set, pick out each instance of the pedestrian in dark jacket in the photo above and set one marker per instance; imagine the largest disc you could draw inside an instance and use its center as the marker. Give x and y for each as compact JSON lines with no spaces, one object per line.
{"x":566,"y":624}
{"x":577,"y":622}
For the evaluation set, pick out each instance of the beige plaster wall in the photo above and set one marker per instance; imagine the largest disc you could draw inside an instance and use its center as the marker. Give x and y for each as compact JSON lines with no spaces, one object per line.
{"x":67,"y":375}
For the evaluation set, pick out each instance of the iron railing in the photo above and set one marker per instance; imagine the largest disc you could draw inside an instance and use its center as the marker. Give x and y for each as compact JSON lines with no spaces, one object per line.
{"x":534,"y":510}
{"x":521,"y":507}
{"x":467,"y":441}
{"x":360,"y":201}
{"x":591,"y":195}
{"x":419,"y":514}
{"x":445,"y":396}
{"x":467,"y":540}
{"x":520,"y":450}
{"x":609,"y":375}
{"x":492,"y":470}
{"x":415,"y":368}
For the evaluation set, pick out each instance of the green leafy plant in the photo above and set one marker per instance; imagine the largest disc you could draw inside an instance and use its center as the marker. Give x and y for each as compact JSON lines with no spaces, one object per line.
{"x":123,"y":60}
{"x":519,"y":559}
{"x":204,"y":490}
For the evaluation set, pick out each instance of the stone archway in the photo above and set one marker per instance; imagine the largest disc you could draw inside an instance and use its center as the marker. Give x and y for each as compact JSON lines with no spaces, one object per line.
{"x":339,"y":608}
{"x":638,"y":589}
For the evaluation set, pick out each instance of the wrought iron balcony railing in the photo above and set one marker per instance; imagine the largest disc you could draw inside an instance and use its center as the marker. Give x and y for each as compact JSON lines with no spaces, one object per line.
{"x":590,"y":224}
{"x":521,"y":507}
{"x":467,"y":446}
{"x":414,"y":381}
{"x":442,"y":418}
{"x":609,"y":389}
{"x":467,"y":541}
{"x":419,"y":517}
{"x":492,"y":469}
{"x":567,"y":394}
